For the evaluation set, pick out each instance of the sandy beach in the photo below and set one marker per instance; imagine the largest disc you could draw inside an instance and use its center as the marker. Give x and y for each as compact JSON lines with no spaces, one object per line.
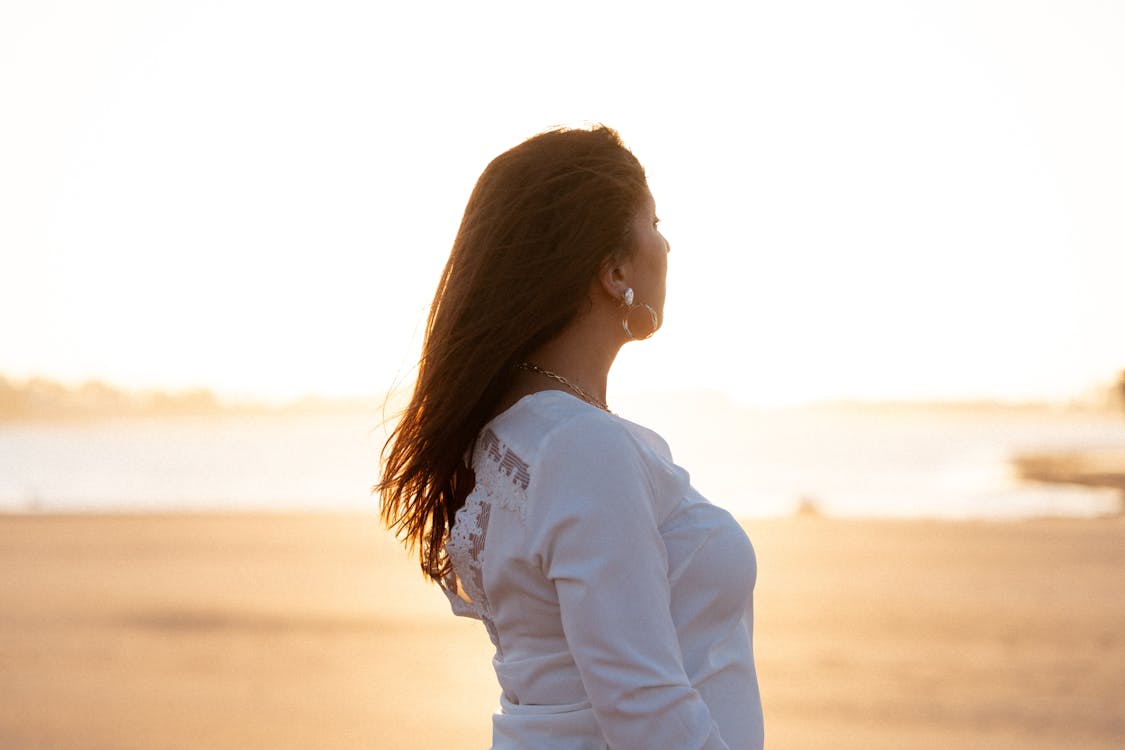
{"x":316,"y":631}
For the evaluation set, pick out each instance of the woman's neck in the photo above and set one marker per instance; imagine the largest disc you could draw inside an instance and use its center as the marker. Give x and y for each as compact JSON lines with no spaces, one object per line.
{"x":582,"y":354}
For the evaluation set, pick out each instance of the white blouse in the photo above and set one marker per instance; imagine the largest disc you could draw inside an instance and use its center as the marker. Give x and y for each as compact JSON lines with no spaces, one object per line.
{"x":618,"y":599}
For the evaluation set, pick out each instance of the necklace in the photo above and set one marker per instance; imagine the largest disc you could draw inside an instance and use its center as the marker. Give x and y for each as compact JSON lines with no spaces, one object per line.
{"x":525,"y":365}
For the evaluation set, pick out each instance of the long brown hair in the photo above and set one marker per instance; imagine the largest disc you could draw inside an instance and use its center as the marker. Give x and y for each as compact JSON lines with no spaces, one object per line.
{"x":542,"y":219}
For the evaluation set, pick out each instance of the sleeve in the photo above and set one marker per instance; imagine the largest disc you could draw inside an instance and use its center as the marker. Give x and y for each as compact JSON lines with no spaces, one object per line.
{"x":600,"y":545}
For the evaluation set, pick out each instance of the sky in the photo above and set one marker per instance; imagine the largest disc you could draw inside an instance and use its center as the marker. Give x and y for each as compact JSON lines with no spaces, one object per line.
{"x":865,"y":200}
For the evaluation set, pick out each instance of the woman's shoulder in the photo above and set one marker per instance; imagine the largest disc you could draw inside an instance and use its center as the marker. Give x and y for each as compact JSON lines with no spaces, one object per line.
{"x":540,"y":434}
{"x":551,"y":421}
{"x":551,"y":431}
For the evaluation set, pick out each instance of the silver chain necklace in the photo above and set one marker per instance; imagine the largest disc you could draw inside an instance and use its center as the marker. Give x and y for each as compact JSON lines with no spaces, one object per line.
{"x":525,"y":365}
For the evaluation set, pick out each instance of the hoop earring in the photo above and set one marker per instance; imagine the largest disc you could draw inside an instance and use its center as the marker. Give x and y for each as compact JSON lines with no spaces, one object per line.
{"x":627,"y":304}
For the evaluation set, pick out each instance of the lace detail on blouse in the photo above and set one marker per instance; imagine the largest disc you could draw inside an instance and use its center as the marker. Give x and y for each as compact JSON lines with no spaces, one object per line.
{"x":502,"y":478}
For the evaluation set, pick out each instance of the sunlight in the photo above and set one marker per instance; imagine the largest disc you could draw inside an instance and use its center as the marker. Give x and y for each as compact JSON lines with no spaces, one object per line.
{"x":877,"y":201}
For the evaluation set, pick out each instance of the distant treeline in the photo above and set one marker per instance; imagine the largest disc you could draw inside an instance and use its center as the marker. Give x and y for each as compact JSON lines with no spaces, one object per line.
{"x":40,"y":398}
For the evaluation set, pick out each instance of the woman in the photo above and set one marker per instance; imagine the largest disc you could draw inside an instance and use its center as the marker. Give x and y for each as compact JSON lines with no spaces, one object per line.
{"x":619,"y":601}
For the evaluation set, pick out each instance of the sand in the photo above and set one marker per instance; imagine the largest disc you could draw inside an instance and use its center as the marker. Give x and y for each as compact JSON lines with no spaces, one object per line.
{"x":315,"y":631}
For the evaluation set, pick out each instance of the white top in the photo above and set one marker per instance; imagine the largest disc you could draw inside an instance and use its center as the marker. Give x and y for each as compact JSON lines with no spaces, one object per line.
{"x":618,"y":599}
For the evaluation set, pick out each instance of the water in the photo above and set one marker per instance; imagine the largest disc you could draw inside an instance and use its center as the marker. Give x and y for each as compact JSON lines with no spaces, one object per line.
{"x":209,"y":463}
{"x":900,"y":464}
{"x":907,"y":463}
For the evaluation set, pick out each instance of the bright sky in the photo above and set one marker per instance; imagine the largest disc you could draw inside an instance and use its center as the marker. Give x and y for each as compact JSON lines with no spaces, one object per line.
{"x":864,"y":199}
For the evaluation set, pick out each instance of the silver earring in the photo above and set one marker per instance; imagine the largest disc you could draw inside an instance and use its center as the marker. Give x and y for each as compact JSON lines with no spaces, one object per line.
{"x":627,"y":304}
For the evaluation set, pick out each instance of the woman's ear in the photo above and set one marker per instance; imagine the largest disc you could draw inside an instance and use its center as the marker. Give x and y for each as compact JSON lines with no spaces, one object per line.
{"x":611,"y":278}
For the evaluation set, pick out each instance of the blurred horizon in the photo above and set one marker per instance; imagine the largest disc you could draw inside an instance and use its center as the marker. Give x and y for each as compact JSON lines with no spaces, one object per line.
{"x":40,"y":397}
{"x":98,"y":449}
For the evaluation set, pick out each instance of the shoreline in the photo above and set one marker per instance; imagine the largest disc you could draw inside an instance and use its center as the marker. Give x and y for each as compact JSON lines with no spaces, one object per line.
{"x":1086,"y":468}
